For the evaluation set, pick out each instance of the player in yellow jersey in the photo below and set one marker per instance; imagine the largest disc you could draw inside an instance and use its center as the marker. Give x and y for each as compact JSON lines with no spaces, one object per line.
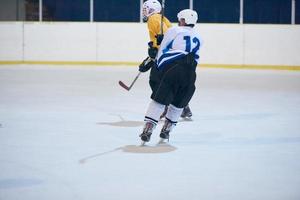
{"x":157,"y":26}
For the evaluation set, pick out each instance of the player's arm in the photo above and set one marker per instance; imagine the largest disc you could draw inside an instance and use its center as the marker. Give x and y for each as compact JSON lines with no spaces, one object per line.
{"x":166,"y":25}
{"x":154,"y":29}
{"x":152,"y":45}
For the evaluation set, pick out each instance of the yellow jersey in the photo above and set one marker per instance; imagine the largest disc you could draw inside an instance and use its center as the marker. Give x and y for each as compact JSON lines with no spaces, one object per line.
{"x":154,"y":27}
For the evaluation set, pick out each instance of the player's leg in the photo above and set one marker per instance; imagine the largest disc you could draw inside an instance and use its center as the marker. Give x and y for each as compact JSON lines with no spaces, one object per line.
{"x":184,"y":96}
{"x":151,"y":119}
{"x":154,"y":78}
{"x":172,"y":117}
{"x":180,"y":100}
{"x":186,"y":113}
{"x":164,"y":95}
{"x":162,"y":91}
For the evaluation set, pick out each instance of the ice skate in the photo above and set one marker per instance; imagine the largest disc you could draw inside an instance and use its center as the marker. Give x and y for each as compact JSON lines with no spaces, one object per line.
{"x":147,"y":132}
{"x":186,"y":113}
{"x":165,"y":131}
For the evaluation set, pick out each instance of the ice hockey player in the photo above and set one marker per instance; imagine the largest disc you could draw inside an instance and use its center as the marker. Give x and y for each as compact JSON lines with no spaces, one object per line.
{"x":157,"y":26}
{"x":176,"y":64}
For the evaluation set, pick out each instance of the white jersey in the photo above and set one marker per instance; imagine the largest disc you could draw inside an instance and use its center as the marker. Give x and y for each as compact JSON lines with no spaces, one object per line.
{"x":178,"y":42}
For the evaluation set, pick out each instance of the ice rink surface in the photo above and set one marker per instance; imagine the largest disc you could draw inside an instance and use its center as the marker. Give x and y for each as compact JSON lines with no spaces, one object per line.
{"x":71,"y":133}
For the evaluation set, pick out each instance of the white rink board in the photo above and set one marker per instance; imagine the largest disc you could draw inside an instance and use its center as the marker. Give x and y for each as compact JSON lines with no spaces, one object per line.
{"x":11,"y":41}
{"x":121,"y":42}
{"x":60,"y":42}
{"x":222,"y":44}
{"x":272,"y":45}
{"x":231,"y":44}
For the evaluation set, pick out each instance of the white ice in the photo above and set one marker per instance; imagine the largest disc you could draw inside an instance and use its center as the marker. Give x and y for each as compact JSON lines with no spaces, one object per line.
{"x":71,"y":133}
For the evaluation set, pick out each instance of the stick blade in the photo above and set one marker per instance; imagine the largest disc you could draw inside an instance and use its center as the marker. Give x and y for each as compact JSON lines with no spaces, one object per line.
{"x":123,"y":85}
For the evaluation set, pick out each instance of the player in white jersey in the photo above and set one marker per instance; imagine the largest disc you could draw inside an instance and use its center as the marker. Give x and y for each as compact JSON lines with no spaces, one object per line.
{"x":176,"y":62}
{"x":157,"y":26}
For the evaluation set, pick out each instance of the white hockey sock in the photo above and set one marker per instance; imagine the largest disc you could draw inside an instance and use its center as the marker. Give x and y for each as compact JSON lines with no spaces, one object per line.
{"x":173,"y":113}
{"x":154,"y":111}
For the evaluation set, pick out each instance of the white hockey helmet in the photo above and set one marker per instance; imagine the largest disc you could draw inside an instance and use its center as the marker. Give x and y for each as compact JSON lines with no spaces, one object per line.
{"x":190,"y":16}
{"x":151,"y":7}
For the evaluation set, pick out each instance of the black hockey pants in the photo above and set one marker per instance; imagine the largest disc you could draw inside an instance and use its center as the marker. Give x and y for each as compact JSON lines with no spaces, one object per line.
{"x":175,"y":83}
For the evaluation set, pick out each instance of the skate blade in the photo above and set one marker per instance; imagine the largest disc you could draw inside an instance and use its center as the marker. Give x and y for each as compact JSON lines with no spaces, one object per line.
{"x":162,"y":141}
{"x":143,"y":143}
{"x":187,"y":119}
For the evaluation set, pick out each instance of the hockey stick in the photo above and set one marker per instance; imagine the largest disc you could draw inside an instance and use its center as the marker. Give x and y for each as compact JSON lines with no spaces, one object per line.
{"x":160,"y":36}
{"x":125,"y":86}
{"x":162,"y":16}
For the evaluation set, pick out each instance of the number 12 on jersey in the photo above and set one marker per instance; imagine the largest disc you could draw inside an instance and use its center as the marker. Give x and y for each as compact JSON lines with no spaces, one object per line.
{"x":188,"y":42}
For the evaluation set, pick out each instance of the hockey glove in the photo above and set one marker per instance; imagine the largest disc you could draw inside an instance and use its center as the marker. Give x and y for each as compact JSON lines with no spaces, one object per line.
{"x":146,"y":64}
{"x":152,"y":51}
{"x":159,"y":38}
